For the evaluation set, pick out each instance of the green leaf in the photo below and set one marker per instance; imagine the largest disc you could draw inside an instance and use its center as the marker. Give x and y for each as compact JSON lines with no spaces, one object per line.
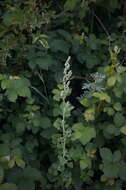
{"x":102,"y":96}
{"x":45,"y":122}
{"x":32,"y":174}
{"x":117,"y":106}
{"x":119,"y":119}
{"x":123,"y":129}
{"x":116,"y":156}
{"x":83,"y":133}
{"x":85,"y":162}
{"x":106,"y":154}
{"x":26,"y":184}
{"x":122,"y":171}
{"x":85,"y":102}
{"x":60,"y":45}
{"x":8,"y":186}
{"x":16,"y":86}
{"x":70,"y":4}
{"x":111,"y":81}
{"x":44,"y":62}
{"x":20,"y":163}
{"x":1,"y":174}
{"x":111,"y":170}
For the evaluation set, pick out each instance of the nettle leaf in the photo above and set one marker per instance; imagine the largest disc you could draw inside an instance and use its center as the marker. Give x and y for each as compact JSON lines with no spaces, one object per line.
{"x":8,"y":186}
{"x":83,"y":133}
{"x":102,"y":96}
{"x":106,"y":154}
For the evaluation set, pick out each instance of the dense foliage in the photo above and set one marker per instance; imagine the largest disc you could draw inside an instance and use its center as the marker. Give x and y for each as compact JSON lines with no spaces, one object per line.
{"x":62,"y":94}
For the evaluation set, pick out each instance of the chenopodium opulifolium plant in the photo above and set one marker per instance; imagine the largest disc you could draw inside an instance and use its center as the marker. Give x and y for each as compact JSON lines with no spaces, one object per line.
{"x":105,"y":109}
{"x":62,"y":110}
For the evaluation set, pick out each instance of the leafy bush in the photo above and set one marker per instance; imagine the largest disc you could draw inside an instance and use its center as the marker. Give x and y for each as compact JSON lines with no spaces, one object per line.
{"x":62,"y":95}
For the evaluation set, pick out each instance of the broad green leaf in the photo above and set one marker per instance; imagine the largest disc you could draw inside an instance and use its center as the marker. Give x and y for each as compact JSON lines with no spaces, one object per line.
{"x":60,"y":45}
{"x":111,"y":81}
{"x":122,"y":171}
{"x":119,"y":119}
{"x":11,"y":163}
{"x":111,"y":170}
{"x":106,"y":154}
{"x":123,"y":129}
{"x":44,"y":62}
{"x":83,"y":133}
{"x":26,"y":184}
{"x":117,"y":106}
{"x":32,"y":174}
{"x":45,"y":122}
{"x":16,"y":86}
{"x":70,"y":4}
{"x":85,"y":163}
{"x":102,"y":96}
{"x":116,"y":156}
{"x":110,"y":111}
{"x":85,"y":102}
{"x":20,"y":163}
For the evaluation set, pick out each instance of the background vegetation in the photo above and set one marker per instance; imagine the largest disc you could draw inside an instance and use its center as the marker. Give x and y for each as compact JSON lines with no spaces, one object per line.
{"x":55,"y":135}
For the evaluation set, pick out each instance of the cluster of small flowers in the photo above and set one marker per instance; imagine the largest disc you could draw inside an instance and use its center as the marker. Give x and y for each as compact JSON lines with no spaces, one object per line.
{"x":66,"y":79}
{"x":91,"y":87}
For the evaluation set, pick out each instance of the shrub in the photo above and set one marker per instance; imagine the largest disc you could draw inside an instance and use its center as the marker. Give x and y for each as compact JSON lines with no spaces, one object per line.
{"x":62,"y":126}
